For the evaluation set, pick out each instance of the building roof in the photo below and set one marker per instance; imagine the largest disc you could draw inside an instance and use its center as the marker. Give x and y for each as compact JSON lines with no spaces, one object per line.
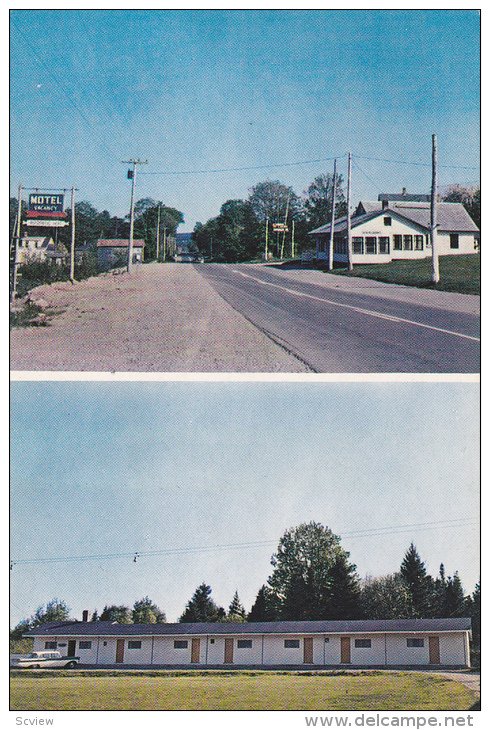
{"x":450,"y":217}
{"x":119,"y":243}
{"x":408,"y":197}
{"x":108,"y":628}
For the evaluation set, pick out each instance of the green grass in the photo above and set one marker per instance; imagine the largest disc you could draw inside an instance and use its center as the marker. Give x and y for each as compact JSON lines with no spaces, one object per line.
{"x":457,"y":273}
{"x":237,"y":691}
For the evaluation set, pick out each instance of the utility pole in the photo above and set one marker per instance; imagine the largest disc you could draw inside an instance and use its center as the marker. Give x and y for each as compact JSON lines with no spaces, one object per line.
{"x":332,"y":222}
{"x":132,"y":177}
{"x":158,"y":233}
{"x":349,"y":232}
{"x":433,"y":213}
{"x":164,"y":243}
{"x":292,"y":239}
{"x":72,"y":244}
{"x":16,"y":246}
{"x":266,"y":252}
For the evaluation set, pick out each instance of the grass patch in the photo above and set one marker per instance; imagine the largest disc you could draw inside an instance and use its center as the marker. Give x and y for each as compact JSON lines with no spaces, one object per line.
{"x":238,"y":691}
{"x":29,"y":315}
{"x":458,"y":273}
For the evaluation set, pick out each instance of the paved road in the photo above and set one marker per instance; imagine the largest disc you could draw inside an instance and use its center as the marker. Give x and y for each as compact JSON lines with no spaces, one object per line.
{"x":334,"y":324}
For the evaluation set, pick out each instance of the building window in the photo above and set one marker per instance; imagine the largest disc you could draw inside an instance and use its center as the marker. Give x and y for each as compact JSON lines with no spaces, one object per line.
{"x":408,"y":243}
{"x":134,"y":644}
{"x":371,"y":244}
{"x":397,"y":243}
{"x":104,"y":643}
{"x":291,"y":643}
{"x":244,"y":644}
{"x":84,"y":644}
{"x":419,"y":243}
{"x":362,"y":643}
{"x":415,"y":643}
{"x":358,"y":244}
{"x":50,"y":644}
{"x":384,"y":244}
{"x":181,"y":644}
{"x":387,"y":220}
{"x":211,"y":641}
{"x":454,"y":240}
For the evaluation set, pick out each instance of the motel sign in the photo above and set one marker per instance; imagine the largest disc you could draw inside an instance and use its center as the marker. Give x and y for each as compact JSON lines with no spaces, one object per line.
{"x":44,"y":203}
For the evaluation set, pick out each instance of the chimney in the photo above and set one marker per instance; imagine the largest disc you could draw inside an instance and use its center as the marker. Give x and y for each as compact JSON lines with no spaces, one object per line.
{"x":404,"y":191}
{"x":384,"y":204}
{"x":85,"y":616}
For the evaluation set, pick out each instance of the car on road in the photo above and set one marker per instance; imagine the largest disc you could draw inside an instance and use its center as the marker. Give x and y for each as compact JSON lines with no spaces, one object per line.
{"x":45,"y":659}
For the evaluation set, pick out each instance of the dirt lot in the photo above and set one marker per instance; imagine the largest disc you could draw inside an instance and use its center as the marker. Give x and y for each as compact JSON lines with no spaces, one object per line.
{"x":159,"y":318}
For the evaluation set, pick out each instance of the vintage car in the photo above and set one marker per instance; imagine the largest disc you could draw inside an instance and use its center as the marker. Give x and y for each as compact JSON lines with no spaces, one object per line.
{"x":45,"y":659}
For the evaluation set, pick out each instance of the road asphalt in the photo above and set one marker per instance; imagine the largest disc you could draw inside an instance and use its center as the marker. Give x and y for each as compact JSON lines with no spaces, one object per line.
{"x":247,"y":318}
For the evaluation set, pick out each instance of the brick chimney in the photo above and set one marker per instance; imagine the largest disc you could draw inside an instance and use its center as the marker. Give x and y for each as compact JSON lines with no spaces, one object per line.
{"x":404,"y":191}
{"x":85,"y":616}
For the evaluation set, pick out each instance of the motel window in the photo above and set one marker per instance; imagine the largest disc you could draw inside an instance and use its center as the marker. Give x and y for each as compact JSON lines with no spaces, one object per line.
{"x":211,"y":641}
{"x":50,"y":644}
{"x":358,"y":245}
{"x":362,"y":643}
{"x":371,"y":244}
{"x":454,"y":240}
{"x":384,"y":244}
{"x":291,"y":643}
{"x":387,"y":220}
{"x":181,"y":644}
{"x":408,"y":243}
{"x":84,"y":644}
{"x":134,"y":644}
{"x":244,"y":644}
{"x":397,"y":245}
{"x":414,"y":643}
{"x":419,"y":243}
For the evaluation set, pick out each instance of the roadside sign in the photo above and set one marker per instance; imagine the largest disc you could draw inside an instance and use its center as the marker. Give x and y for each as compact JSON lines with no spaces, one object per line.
{"x":281,"y":227}
{"x":46,"y":202}
{"x":45,"y":214}
{"x":55,"y":223}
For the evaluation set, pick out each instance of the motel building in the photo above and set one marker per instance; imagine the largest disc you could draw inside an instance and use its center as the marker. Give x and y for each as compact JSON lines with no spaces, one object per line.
{"x":114,"y":252}
{"x":434,"y":643}
{"x":397,"y":226}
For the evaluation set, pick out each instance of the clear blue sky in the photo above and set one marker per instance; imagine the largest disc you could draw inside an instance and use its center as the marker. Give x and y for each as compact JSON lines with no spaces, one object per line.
{"x":102,"y":468}
{"x":200,"y":90}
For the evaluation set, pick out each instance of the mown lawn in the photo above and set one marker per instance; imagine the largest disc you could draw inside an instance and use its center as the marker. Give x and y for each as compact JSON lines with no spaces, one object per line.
{"x":238,"y":691}
{"x":457,"y":273}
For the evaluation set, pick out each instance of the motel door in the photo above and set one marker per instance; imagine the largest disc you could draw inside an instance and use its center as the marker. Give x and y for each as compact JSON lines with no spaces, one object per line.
{"x":345,"y":649}
{"x":308,"y":650}
{"x":120,"y":651}
{"x":195,"y":651}
{"x":72,"y":648}
{"x":434,"y":653}
{"x":228,"y":651}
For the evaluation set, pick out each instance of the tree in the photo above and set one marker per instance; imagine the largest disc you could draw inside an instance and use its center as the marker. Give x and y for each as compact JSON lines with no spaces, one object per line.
{"x":55,"y":610}
{"x":419,"y":584}
{"x":121,"y":614}
{"x":312,"y":576}
{"x":264,"y":608}
{"x":271,"y":198}
{"x":386,"y":597}
{"x":319,"y":198}
{"x":146,"y":222}
{"x":469,"y":196}
{"x":22,"y":627}
{"x":201,"y":608}
{"x":147,"y":612}
{"x":236,"y":612}
{"x":454,"y":603}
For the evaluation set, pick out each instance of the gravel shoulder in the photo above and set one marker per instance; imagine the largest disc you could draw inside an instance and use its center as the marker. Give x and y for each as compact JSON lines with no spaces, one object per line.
{"x":159,"y":318}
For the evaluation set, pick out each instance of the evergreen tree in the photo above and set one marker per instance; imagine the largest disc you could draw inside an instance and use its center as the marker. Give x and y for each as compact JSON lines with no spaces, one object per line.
{"x":95,"y":616}
{"x":236,"y":612}
{"x":386,"y":597}
{"x":454,"y":603}
{"x":419,"y":584}
{"x":264,"y":608}
{"x":201,"y":608}
{"x":147,"y":612}
{"x":343,"y":601}
{"x":55,"y":610}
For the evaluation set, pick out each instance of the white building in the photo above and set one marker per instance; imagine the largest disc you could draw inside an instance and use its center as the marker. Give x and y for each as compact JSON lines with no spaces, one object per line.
{"x":398,"y":227}
{"x":40,"y":248}
{"x":407,"y":642}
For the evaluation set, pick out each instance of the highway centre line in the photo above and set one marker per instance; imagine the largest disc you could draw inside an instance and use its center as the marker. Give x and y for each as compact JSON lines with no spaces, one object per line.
{"x":368,"y":312}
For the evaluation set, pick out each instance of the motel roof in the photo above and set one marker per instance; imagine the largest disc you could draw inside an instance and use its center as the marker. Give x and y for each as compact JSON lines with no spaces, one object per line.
{"x":119,"y":243}
{"x":108,"y":628}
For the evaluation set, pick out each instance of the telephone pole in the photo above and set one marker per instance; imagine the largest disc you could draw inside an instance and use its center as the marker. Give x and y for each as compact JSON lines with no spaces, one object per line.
{"x":349,"y":232}
{"x":132,"y":177}
{"x":266,"y":252}
{"x":13,"y":293}
{"x":292,"y":239}
{"x":332,"y":222}
{"x":433,"y":213}
{"x":72,"y":243}
{"x":158,"y":234}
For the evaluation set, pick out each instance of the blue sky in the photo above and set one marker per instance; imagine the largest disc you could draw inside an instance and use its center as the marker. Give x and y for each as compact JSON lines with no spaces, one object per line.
{"x":201,"y":90}
{"x":102,"y":468}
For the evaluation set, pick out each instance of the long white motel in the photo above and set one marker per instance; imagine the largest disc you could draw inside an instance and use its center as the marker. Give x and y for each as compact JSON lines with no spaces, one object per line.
{"x":441,"y":642}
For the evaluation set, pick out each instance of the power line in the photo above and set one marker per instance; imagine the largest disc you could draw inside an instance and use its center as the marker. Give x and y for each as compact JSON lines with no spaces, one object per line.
{"x":368,"y":532}
{"x":238,"y":169}
{"x":417,"y":164}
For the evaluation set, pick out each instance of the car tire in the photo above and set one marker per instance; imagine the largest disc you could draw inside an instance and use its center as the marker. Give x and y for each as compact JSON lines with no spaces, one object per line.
{"x":36,"y":666}
{"x":71,"y":665}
